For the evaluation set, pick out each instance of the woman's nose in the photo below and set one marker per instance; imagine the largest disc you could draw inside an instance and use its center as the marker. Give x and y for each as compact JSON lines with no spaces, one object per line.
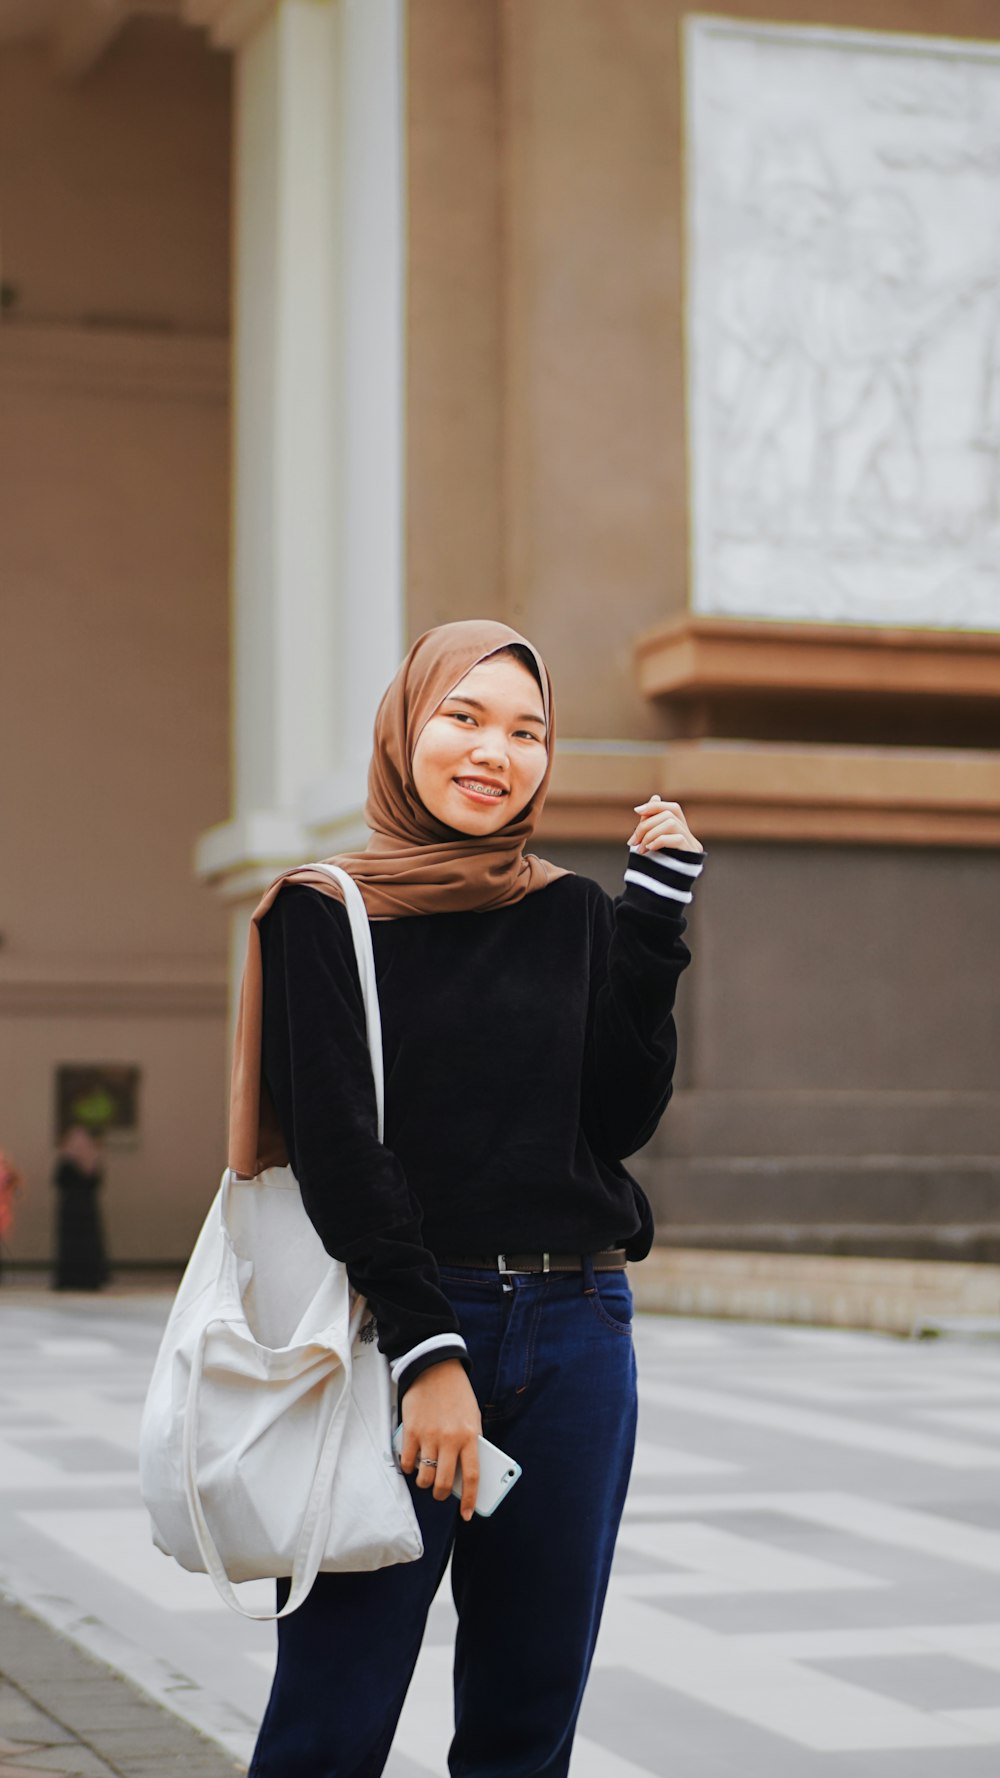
{"x":491,"y":750}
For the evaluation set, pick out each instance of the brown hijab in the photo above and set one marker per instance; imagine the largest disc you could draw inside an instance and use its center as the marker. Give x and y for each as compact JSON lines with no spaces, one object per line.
{"x":413,"y":863}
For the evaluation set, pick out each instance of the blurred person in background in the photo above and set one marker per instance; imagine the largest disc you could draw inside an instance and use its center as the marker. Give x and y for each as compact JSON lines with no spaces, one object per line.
{"x":11,"y":1185}
{"x":81,"y":1262}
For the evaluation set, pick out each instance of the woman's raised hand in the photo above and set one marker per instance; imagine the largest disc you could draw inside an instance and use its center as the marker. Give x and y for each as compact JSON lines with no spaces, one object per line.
{"x":441,"y":1420}
{"x":662,"y":824}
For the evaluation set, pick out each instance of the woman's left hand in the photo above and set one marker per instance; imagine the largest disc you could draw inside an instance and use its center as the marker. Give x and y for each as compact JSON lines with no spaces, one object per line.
{"x":660,"y":825}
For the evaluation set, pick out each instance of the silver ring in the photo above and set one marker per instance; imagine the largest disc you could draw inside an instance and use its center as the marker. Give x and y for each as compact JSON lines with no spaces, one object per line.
{"x":431,"y":1462}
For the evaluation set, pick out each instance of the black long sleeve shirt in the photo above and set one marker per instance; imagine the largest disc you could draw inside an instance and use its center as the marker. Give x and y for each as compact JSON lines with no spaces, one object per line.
{"x":527,"y":1051}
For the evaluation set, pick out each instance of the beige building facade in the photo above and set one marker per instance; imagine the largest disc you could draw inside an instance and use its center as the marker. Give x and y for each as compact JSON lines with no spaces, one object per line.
{"x":328,"y":320}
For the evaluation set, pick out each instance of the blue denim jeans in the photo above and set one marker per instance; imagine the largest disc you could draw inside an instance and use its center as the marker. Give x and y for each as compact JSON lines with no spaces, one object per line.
{"x":554,"y":1371}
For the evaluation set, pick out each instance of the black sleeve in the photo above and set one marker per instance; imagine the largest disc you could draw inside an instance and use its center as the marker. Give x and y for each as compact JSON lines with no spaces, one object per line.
{"x":637,"y":958}
{"x":318,"y":1071}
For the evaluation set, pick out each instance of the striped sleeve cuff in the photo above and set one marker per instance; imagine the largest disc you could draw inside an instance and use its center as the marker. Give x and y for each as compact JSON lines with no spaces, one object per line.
{"x":670,"y":875}
{"x":438,"y":1347}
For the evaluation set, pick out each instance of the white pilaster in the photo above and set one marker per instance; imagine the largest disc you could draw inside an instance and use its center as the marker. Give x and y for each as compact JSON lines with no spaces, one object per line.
{"x":285,"y":456}
{"x":317,"y":625}
{"x":371,"y":288}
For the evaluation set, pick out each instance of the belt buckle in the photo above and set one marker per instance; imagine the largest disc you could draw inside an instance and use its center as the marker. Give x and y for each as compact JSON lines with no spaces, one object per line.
{"x":505,"y":1271}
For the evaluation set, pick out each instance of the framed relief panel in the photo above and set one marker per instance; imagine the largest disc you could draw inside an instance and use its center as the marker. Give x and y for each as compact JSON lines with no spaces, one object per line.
{"x":843,"y":325}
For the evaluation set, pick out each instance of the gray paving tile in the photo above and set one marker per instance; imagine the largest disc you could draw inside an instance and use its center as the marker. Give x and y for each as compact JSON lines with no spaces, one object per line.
{"x":965,"y":1762}
{"x":401,"y":1767}
{"x":69,"y":1761}
{"x":22,"y":1720}
{"x":930,"y":1682}
{"x":973,"y":1512}
{"x":75,"y":1454}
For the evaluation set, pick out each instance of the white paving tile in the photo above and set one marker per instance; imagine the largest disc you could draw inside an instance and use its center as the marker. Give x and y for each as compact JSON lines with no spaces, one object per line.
{"x":836,"y":1429}
{"x":119,"y":1544}
{"x":734,"y":1564}
{"x":983,"y":1722}
{"x":23,"y":1472}
{"x":82,"y":1350}
{"x":977,"y":1643}
{"x":930,"y":1535}
{"x":426,"y":1726}
{"x":983,"y":1420}
{"x":901,"y":1527}
{"x":864,"y":1386}
{"x":684,"y":1336}
{"x":657,"y":1461}
{"x":593,"y":1760}
{"x":813,"y":1710}
{"x":85,"y":1411}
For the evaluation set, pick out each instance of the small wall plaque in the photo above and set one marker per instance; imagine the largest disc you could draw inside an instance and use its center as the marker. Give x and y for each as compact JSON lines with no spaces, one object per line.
{"x":103,"y":1096}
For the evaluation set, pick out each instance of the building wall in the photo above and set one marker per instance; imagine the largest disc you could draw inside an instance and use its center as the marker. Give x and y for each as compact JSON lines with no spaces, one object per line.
{"x":840,"y":1087}
{"x":836,"y":1027}
{"x":455,"y":297}
{"x":116,"y":188}
{"x":837,"y":1031}
{"x":546,"y":136}
{"x":113,"y":561}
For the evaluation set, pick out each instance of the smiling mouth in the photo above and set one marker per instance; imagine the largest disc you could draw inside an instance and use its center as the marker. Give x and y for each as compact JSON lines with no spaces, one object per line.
{"x":484,"y":793}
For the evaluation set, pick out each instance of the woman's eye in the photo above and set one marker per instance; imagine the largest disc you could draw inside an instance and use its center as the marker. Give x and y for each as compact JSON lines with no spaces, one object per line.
{"x":522,"y":734}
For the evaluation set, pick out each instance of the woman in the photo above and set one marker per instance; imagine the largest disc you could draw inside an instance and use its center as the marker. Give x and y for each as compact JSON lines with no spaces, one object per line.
{"x":529,"y":1044}
{"x":81,"y":1261}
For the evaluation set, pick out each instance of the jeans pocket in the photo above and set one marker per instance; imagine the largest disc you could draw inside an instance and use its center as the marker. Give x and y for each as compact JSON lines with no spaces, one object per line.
{"x":611,"y":1300}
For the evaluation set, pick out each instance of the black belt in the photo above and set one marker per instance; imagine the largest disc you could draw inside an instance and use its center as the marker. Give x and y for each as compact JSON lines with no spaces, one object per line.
{"x":611,"y":1259}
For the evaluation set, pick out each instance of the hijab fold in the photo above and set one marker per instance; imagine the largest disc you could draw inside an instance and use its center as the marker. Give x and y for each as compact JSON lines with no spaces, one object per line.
{"x":412,"y":864}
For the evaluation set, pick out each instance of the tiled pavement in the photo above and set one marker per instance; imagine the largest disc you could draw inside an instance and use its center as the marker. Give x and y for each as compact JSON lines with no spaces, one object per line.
{"x":806,"y":1583}
{"x":63,"y":1715}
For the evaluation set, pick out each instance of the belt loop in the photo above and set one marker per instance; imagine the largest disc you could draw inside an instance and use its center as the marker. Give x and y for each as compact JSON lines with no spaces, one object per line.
{"x":587,"y":1268}
{"x":545,"y":1262}
{"x":501,"y":1263}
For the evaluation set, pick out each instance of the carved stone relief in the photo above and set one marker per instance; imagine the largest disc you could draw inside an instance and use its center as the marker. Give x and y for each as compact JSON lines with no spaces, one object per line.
{"x":843,"y":316}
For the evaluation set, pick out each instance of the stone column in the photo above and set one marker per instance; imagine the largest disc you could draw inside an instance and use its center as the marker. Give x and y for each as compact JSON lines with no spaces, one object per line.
{"x":318,"y":254}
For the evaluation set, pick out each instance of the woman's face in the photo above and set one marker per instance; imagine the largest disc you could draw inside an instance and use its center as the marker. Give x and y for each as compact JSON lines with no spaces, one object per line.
{"x":480,"y":758}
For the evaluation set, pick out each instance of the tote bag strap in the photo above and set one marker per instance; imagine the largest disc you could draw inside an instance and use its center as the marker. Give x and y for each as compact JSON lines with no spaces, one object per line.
{"x":311,"y":1543}
{"x":312,"y":1536}
{"x":361,"y":933}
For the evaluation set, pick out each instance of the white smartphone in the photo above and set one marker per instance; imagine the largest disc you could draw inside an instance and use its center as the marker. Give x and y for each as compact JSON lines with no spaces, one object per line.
{"x":497,"y":1474}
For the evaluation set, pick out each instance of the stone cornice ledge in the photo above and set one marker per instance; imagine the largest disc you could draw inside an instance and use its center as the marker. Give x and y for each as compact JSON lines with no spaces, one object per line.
{"x":778,"y":791}
{"x":693,"y":654}
{"x":737,"y":790}
{"x":240,"y":857}
{"x":228,"y":22}
{"x":44,"y":988}
{"x":115,"y":361}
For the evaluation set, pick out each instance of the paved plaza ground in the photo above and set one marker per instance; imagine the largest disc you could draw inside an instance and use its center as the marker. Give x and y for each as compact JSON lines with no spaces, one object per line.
{"x":807,"y":1582}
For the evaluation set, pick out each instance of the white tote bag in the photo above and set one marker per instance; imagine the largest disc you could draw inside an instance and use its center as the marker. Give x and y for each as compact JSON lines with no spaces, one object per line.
{"x":266,"y":1440}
